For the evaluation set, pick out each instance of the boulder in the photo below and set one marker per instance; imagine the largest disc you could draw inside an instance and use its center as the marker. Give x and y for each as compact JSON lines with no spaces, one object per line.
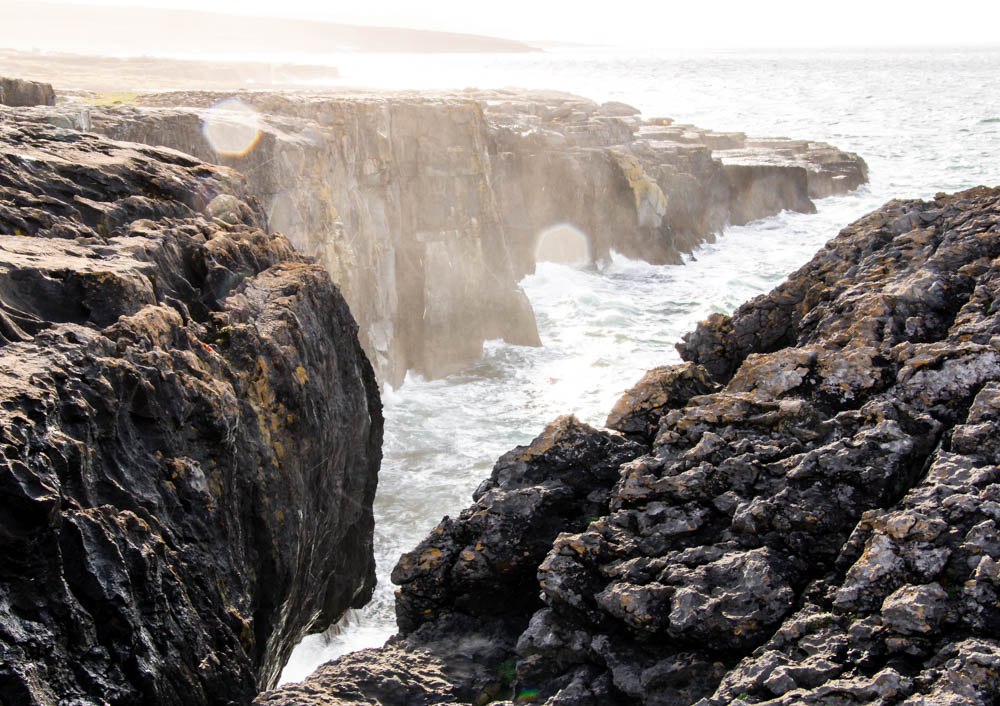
{"x":18,"y":93}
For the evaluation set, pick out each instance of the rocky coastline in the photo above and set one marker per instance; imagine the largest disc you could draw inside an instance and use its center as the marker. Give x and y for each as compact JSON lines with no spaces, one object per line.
{"x":804,"y":512}
{"x":426,"y":208}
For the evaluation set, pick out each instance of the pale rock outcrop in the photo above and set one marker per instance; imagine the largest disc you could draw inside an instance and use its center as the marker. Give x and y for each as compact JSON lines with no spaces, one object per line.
{"x":18,"y":93}
{"x":427,"y":208}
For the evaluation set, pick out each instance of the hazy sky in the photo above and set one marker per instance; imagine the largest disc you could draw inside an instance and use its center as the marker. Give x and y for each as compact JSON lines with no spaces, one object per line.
{"x":690,"y":23}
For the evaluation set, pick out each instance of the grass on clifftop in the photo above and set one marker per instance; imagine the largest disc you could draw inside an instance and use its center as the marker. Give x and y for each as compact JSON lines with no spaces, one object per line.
{"x":115,"y":98}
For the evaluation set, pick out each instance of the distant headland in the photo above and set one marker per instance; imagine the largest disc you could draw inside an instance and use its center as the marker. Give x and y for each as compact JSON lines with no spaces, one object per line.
{"x":159,"y":31}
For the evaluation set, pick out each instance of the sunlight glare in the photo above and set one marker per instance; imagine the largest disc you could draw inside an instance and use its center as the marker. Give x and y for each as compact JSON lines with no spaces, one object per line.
{"x":231,"y":128}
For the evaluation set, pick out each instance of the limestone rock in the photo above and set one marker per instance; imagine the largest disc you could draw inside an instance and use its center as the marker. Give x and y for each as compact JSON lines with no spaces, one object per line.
{"x":915,"y":610}
{"x":427,"y":209}
{"x":191,"y":433}
{"x":660,"y":390}
{"x":483,"y":563}
{"x":19,"y":93}
{"x":384,"y":676}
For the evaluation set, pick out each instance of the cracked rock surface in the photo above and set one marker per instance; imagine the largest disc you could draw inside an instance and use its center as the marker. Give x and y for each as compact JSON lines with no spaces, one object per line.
{"x":190,"y":432}
{"x":803,"y":513}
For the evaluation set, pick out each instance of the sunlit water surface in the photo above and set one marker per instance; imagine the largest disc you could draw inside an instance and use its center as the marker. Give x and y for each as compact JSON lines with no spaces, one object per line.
{"x":924,"y":121}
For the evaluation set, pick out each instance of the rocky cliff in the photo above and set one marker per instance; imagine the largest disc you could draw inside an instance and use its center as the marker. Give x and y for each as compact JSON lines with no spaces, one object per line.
{"x":427,"y":208}
{"x":805,"y":512}
{"x":190,"y":431}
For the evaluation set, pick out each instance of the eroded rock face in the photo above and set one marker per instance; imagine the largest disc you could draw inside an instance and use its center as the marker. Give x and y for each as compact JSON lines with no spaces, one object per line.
{"x":821,"y":529}
{"x":393,"y":195}
{"x":17,"y":92}
{"x":647,"y":188}
{"x":427,"y":208}
{"x":191,"y":433}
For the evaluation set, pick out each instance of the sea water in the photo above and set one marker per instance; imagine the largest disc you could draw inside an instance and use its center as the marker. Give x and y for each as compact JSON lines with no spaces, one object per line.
{"x":925,"y":121}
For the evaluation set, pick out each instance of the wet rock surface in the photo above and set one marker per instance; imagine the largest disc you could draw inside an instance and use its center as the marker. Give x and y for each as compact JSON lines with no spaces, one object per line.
{"x":190,"y":431}
{"x":427,"y":208}
{"x":821,"y":528}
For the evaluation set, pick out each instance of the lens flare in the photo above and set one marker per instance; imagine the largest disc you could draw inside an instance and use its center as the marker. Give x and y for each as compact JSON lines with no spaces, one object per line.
{"x":563,"y":243}
{"x":231,"y":127}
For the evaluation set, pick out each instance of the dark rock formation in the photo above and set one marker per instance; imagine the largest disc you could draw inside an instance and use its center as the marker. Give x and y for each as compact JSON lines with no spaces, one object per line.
{"x":19,"y":93}
{"x":492,"y":550}
{"x":821,"y":529}
{"x":427,"y":208}
{"x":190,"y":431}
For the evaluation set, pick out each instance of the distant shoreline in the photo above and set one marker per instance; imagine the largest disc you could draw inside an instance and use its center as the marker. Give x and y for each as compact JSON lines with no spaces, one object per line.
{"x":102,"y":29}
{"x":75,"y":73}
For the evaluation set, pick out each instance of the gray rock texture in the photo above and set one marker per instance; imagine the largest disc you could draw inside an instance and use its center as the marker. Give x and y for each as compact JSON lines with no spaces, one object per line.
{"x":426,"y":209}
{"x":803,"y":513}
{"x":17,"y":92}
{"x":190,"y":432}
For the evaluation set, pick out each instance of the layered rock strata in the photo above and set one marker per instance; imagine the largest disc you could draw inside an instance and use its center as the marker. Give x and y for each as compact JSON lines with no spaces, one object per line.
{"x":805,"y":512}
{"x":190,"y":437}
{"x":427,"y":208}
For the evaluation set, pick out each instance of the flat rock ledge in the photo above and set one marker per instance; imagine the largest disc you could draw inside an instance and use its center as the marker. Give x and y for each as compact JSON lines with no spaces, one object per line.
{"x":805,"y":512}
{"x":190,"y":432}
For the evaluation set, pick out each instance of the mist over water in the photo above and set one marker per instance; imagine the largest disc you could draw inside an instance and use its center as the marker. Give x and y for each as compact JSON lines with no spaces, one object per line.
{"x":924,"y":121}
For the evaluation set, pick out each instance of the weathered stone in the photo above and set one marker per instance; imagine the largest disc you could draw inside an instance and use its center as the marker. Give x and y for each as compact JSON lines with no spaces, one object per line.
{"x":965,"y":672}
{"x":19,"y":93}
{"x":191,"y":433}
{"x":386,"y":676}
{"x":660,"y":390}
{"x":484,"y":562}
{"x":915,"y":609}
